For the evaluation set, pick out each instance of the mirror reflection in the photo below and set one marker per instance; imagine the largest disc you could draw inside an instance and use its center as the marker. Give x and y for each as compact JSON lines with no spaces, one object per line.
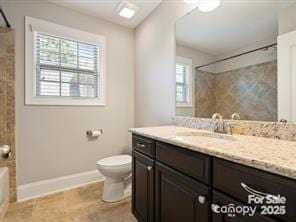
{"x":227,"y":61}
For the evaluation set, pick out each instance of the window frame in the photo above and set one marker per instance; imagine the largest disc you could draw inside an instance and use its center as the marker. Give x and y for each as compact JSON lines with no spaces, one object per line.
{"x":33,"y":25}
{"x":184,"y":84}
{"x":189,"y":83}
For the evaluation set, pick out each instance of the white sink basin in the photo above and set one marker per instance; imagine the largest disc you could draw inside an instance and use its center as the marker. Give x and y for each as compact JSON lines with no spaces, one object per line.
{"x":204,"y":137}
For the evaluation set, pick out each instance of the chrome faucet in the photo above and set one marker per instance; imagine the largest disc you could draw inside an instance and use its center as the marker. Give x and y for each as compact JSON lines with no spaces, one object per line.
{"x":235,"y":116}
{"x":218,"y":123}
{"x":231,"y":123}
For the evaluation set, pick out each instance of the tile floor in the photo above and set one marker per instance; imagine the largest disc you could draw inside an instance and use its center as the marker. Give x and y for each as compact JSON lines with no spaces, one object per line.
{"x":82,"y":204}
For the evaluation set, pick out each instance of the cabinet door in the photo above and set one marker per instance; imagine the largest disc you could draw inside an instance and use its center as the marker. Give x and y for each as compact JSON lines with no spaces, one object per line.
{"x":223,"y":200}
{"x":179,"y":198}
{"x":143,"y":187}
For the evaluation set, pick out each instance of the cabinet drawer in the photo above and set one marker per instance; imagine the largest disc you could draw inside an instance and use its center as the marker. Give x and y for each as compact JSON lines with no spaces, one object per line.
{"x":240,"y":181}
{"x":144,"y":145}
{"x":188,"y":162}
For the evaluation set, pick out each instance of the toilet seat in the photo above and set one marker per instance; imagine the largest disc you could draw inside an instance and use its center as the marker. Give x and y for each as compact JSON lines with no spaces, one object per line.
{"x":118,"y":160}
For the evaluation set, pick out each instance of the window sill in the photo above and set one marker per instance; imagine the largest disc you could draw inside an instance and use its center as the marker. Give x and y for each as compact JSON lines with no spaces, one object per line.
{"x":184,"y":105}
{"x":56,"y":101}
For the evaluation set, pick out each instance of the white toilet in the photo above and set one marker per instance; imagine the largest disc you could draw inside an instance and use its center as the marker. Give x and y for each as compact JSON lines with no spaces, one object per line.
{"x":117,"y":171}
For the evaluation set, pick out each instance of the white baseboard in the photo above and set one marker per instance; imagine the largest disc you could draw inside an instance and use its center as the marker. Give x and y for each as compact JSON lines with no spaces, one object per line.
{"x":45,"y":187}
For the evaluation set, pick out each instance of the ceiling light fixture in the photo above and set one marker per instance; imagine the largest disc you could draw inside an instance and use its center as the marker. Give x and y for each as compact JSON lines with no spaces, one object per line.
{"x":192,"y":1}
{"x":126,"y":9}
{"x":205,"y":5}
{"x":208,"y":5}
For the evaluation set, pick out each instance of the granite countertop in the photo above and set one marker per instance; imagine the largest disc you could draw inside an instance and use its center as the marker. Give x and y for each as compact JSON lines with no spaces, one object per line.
{"x":272,"y":155}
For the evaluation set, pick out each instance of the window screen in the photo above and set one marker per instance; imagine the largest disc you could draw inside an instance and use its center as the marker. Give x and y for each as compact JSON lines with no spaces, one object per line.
{"x":65,"y":68}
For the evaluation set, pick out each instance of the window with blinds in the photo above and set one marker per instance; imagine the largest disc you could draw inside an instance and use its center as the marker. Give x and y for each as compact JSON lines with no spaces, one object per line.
{"x":181,"y":83}
{"x":65,"y":68}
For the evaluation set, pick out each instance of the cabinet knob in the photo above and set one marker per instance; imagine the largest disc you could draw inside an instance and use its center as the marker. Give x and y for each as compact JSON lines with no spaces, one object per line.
{"x":5,"y":151}
{"x":215,"y":208}
{"x":202,"y":199}
{"x":149,"y":168}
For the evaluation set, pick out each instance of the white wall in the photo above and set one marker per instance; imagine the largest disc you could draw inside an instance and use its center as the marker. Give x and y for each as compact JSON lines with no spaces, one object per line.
{"x":198,"y":58}
{"x":248,"y":59}
{"x":155,"y":64}
{"x":287,"y":19}
{"x":51,"y":140}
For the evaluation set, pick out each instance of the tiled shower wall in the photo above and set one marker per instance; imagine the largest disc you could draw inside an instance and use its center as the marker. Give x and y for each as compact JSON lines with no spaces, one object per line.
{"x":7,"y":104}
{"x":205,"y":94}
{"x":250,"y":91}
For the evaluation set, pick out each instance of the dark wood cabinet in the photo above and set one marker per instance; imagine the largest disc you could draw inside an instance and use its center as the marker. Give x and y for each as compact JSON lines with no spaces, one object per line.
{"x":178,"y":197}
{"x":173,"y":184}
{"x":143,"y":187}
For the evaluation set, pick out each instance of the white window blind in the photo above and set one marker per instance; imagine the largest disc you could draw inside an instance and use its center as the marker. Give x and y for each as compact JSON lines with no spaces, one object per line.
{"x":181,"y":83}
{"x":65,"y":68}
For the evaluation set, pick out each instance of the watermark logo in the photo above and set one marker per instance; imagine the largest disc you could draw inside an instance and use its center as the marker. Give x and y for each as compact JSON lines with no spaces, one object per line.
{"x":231,"y":210}
{"x":268,"y":199}
{"x":269,"y":204}
{"x":265,"y":205}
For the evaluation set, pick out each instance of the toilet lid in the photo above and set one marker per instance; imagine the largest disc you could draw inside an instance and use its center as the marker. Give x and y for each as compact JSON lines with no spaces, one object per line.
{"x":115,"y":160}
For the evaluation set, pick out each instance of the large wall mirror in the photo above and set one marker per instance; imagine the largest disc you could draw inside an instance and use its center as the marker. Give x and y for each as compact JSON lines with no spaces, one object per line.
{"x":227,"y":61}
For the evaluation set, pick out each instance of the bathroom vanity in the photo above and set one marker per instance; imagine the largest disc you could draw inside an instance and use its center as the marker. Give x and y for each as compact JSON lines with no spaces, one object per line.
{"x":182,"y":174}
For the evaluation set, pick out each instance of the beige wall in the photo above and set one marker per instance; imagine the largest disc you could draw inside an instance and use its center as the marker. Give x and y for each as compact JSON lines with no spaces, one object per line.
{"x":198,"y":58}
{"x":287,"y":19}
{"x":51,"y":140}
{"x":155,"y":64}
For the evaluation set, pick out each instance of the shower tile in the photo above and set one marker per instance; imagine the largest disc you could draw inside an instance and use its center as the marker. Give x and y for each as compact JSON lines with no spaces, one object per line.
{"x":12,"y":181}
{"x":10,"y":116}
{"x":10,"y":139}
{"x":7,"y":106}
{"x":10,"y":95}
{"x":2,"y":61}
{"x":241,"y":90}
{"x":9,"y":68}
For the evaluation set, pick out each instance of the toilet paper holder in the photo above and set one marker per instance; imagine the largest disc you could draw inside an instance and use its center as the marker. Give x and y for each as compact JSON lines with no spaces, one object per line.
{"x":94,"y":133}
